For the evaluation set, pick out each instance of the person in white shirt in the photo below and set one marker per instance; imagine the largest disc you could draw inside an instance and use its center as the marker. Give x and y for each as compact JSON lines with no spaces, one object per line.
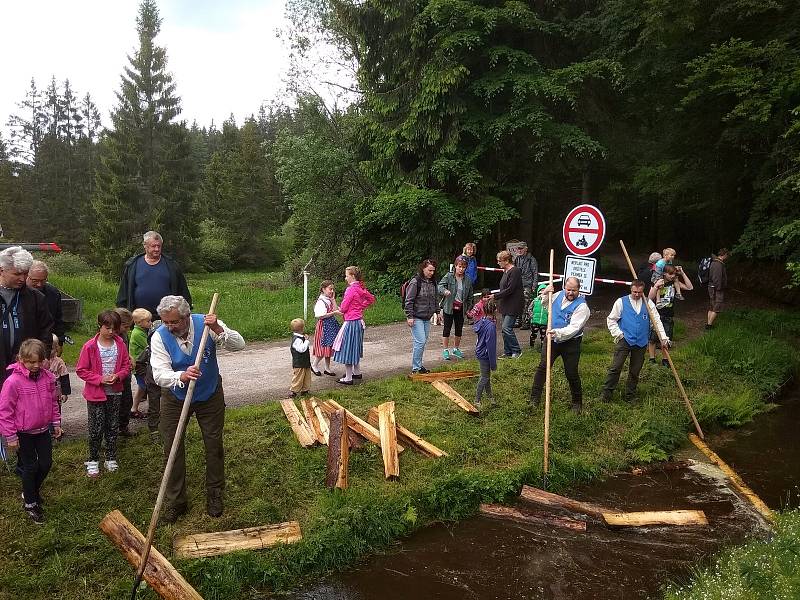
{"x":629,"y":324}
{"x":173,"y":351}
{"x":570,"y":313}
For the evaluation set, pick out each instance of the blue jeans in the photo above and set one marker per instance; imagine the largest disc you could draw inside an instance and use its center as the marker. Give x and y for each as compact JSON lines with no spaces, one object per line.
{"x":510,"y":343}
{"x":419,"y":333}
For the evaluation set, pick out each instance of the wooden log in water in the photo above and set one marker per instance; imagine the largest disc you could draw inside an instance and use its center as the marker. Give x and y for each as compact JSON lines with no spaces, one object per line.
{"x":311,"y":419}
{"x":355,"y":423}
{"x":655,"y":517}
{"x":448,"y":391}
{"x":338,"y":450}
{"x":158,"y":572}
{"x":409,"y":438}
{"x":442,"y":376}
{"x":538,"y":496}
{"x":658,"y":467}
{"x":388,"y":432}
{"x":221,"y":542}
{"x":302,"y":430}
{"x":507,"y":513}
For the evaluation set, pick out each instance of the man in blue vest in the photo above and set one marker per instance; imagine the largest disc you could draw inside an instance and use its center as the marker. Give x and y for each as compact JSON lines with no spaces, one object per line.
{"x":570,"y":313}
{"x":173,"y":351}
{"x":629,"y":324}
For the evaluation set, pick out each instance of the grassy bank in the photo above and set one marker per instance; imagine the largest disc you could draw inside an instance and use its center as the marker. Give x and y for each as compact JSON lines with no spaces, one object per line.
{"x":270,"y":478}
{"x":758,"y":570}
{"x":258,"y":304}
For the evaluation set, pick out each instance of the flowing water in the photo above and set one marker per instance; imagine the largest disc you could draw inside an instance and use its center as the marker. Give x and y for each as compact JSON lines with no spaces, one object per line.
{"x":482,"y":558}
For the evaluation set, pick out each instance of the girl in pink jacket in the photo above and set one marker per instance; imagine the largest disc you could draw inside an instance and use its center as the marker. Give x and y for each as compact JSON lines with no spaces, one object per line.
{"x":28,"y":408}
{"x":103,"y":364}
{"x":349,"y":343}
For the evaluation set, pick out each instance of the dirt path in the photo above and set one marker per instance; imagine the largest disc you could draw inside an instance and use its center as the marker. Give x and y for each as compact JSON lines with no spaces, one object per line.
{"x":262,"y":371}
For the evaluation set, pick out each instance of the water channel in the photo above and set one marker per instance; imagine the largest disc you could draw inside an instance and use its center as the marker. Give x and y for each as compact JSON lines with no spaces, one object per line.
{"x":483,"y":559}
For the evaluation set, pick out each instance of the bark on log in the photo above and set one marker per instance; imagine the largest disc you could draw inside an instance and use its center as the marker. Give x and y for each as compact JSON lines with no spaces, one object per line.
{"x":448,"y":391}
{"x":409,"y":438}
{"x":302,"y":430}
{"x":355,"y":423}
{"x":442,"y":376}
{"x":221,"y":542}
{"x":158,"y":573}
{"x":338,"y":450}
{"x":388,"y":432}
{"x":311,"y":419}
{"x":507,"y":513}
{"x":538,"y":496}
{"x":662,"y":517}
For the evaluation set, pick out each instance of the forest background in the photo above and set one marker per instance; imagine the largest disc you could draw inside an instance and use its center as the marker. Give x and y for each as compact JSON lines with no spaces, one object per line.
{"x":458,"y":120}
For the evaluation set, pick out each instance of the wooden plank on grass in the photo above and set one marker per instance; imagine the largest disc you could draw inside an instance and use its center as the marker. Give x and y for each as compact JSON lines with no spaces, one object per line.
{"x":221,"y":542}
{"x":409,"y":438}
{"x":311,"y":419}
{"x":322,"y":418}
{"x":448,"y":391}
{"x":655,"y":517}
{"x":507,"y":513}
{"x":388,"y":430}
{"x":301,"y":428}
{"x":442,"y":376}
{"x":158,"y":572}
{"x":338,"y":450}
{"x":538,"y":496}
{"x":358,"y":425}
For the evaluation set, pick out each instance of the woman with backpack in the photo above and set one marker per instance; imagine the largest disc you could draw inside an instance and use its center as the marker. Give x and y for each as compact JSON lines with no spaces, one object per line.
{"x":420,"y":302}
{"x":456,"y":290}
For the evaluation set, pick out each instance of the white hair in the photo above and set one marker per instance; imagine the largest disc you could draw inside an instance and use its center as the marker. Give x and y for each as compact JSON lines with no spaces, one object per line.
{"x":170,"y":303}
{"x":152,"y":235}
{"x":38,"y":265}
{"x":16,"y":258}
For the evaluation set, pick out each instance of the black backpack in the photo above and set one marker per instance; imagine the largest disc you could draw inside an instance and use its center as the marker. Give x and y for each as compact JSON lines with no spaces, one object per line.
{"x":704,"y":269}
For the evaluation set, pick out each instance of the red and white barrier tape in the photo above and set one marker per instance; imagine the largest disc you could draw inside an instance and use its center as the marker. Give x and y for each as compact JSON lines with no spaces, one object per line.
{"x":560,"y":276}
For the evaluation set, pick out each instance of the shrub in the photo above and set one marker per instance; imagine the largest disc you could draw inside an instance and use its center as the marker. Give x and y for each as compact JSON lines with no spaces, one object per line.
{"x":66,"y":263}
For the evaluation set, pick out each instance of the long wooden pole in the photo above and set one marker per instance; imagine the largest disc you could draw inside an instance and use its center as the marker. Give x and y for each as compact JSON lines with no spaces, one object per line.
{"x":664,"y":350}
{"x":547,"y":371}
{"x":176,"y":442}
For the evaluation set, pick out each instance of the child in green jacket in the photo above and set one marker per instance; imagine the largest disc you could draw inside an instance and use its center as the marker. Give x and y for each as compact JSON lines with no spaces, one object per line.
{"x":538,"y":317}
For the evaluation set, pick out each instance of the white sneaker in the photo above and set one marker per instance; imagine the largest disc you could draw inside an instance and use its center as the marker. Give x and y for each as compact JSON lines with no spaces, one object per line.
{"x":92,"y":469}
{"x":111,"y":465}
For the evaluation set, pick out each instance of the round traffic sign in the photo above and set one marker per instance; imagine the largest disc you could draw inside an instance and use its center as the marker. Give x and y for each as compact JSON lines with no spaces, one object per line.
{"x":584,"y":230}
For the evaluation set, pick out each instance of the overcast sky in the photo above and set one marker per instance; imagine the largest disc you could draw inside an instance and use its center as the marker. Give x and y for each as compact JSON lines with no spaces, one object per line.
{"x":223,"y":54}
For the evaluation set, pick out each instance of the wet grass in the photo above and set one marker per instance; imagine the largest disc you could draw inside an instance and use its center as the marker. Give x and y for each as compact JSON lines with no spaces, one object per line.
{"x":270,"y":478}
{"x":259,"y":305}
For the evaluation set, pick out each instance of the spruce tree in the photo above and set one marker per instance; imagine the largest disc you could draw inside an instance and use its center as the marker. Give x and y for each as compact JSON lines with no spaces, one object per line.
{"x":146,"y":179}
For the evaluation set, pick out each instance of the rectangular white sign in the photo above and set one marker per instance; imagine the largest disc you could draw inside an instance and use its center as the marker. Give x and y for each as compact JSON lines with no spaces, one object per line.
{"x":583,"y":268}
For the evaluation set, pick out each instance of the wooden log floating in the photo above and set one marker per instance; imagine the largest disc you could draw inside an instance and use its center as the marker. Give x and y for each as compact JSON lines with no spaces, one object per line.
{"x":158,"y":572}
{"x":664,"y":466}
{"x":507,"y":513}
{"x":658,"y":517}
{"x":388,"y":432}
{"x":338,"y":450}
{"x":311,"y":419}
{"x":355,"y":423}
{"x":442,"y":376}
{"x":542,"y":497}
{"x":302,"y":430}
{"x":409,"y":438}
{"x":221,"y":542}
{"x":448,"y":391}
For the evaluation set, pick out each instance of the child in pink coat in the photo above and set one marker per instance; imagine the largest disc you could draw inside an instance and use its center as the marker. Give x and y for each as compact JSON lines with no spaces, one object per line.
{"x":28,"y":408}
{"x":103,"y":364}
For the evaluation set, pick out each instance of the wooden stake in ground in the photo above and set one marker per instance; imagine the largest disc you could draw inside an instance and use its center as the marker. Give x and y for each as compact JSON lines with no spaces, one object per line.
{"x":176,"y":442}
{"x":338,"y":450}
{"x":655,"y":517}
{"x":664,"y":350}
{"x":388,"y":431}
{"x":408,"y":437}
{"x":202,"y":545}
{"x":448,"y":391}
{"x":159,"y":573}
{"x":547,"y":373}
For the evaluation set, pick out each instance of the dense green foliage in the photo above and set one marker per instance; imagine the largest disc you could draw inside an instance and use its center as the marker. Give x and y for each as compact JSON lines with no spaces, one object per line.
{"x":489,"y":459}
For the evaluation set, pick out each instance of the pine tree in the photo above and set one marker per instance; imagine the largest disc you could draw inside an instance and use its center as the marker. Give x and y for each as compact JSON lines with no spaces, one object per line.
{"x":146,"y":179}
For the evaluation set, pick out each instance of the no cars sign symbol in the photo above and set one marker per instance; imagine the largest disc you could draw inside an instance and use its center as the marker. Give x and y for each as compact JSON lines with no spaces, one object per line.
{"x":584,"y":230}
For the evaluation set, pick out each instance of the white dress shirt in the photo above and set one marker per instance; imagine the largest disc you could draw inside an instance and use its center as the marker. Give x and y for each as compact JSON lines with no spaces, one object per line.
{"x":616,"y":314}
{"x":576,"y":323}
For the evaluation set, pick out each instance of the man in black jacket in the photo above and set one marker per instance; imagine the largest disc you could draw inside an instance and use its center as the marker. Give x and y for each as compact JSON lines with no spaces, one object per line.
{"x":149,"y":276}
{"x":37,"y":279}
{"x":23,"y":311}
{"x":510,"y":302}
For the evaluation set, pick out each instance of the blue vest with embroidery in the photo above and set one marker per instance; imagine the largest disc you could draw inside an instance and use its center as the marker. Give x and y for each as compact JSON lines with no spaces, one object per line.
{"x":635,"y":328}
{"x":206,"y":384}
{"x":562,"y":316}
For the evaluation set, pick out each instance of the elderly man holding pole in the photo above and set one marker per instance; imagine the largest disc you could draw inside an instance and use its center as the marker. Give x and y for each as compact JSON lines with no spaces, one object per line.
{"x":570,"y":313}
{"x":173,"y":349}
{"x":629,"y":323}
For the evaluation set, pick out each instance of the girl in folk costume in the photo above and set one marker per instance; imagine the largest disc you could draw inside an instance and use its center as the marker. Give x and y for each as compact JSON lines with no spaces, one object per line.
{"x":325,"y":310}
{"x":349,"y":343}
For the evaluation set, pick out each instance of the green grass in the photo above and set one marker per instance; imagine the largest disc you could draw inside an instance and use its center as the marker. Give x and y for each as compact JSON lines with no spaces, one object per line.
{"x":758,"y":570}
{"x":270,"y":478}
{"x":259,"y":305}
